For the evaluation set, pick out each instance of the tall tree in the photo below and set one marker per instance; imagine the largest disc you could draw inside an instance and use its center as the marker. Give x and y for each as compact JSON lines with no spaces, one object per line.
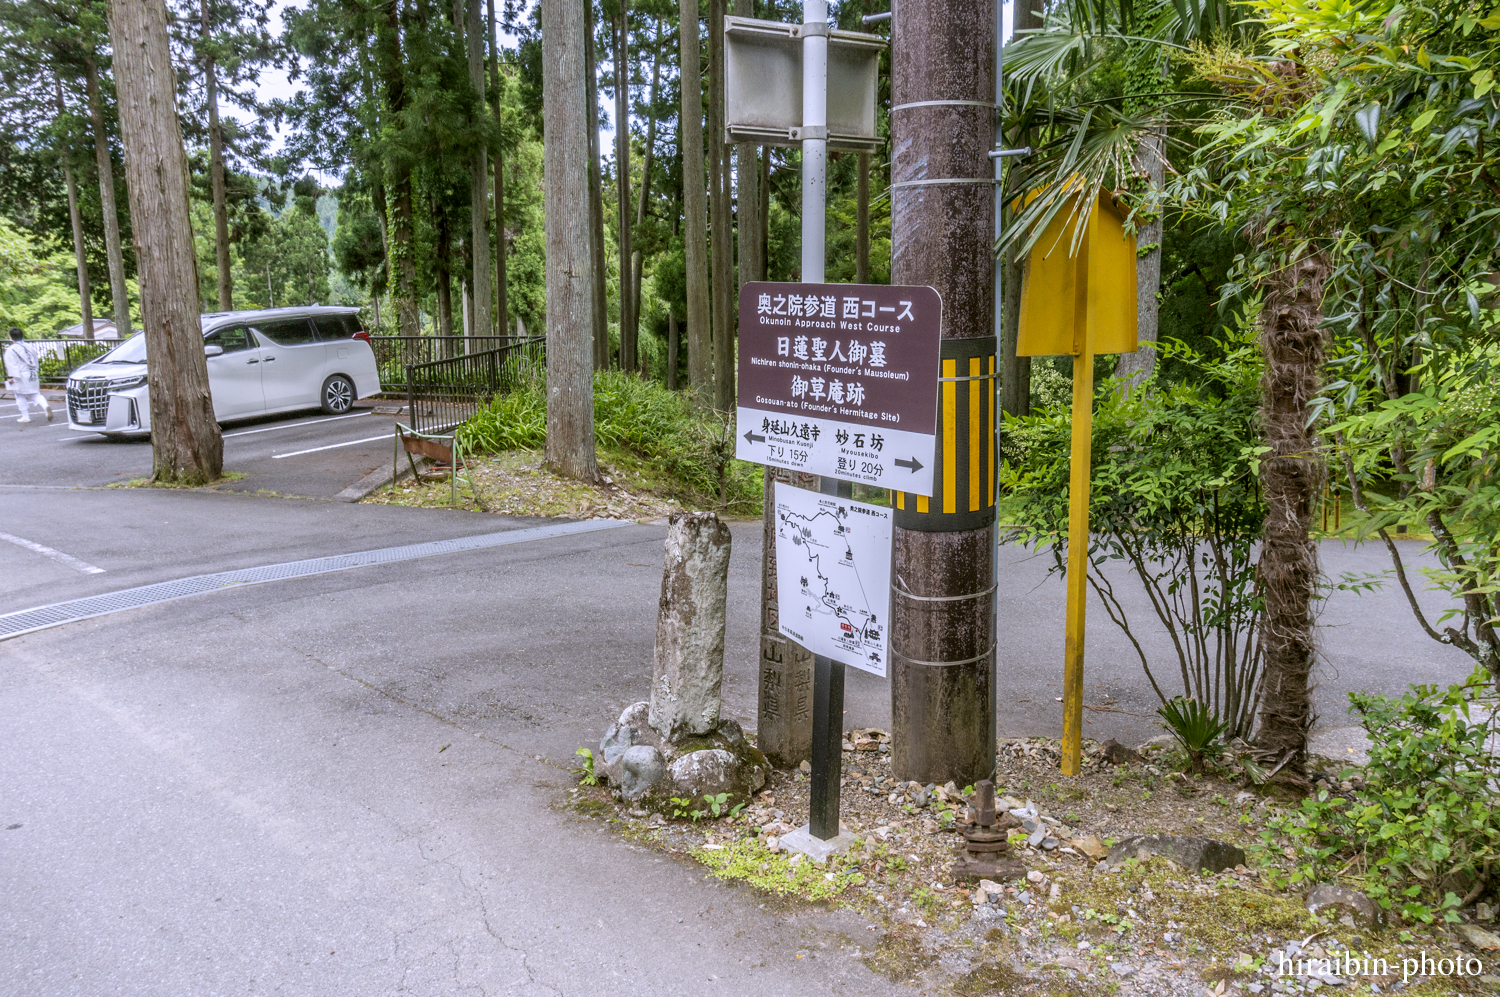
{"x":398,"y":170}
{"x":720,"y":223}
{"x":85,"y":300}
{"x":114,"y":253}
{"x":186,"y":445}
{"x":568,"y":110}
{"x":596,"y":200}
{"x":622,"y":182}
{"x":747,"y":191}
{"x":648,"y":156}
{"x":502,"y":306}
{"x":479,"y":187}
{"x":694,"y":210}
{"x":231,"y":45}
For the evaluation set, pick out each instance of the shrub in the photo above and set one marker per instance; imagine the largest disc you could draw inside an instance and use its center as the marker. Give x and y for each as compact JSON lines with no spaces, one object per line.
{"x":1175,"y":498}
{"x":691,"y":445}
{"x":1422,"y":826}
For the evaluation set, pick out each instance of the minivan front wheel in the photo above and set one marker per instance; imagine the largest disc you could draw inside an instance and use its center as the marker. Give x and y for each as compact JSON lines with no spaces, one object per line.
{"x":338,"y":395}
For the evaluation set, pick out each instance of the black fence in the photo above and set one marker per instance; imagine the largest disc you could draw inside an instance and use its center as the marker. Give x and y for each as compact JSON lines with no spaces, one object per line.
{"x":60,"y":357}
{"x":393,"y":354}
{"x":443,"y":394}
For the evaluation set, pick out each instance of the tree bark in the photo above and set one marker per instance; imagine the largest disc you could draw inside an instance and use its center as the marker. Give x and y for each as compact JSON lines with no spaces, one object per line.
{"x":1149,"y":163}
{"x":720,"y":218}
{"x":596,"y":204}
{"x":186,"y":445}
{"x":674,"y":346}
{"x":216,"y":170}
{"x":403,"y":226}
{"x":1291,"y":475}
{"x":639,"y":262}
{"x":119,"y":293}
{"x":502,"y":305}
{"x":479,"y":183}
{"x":442,"y":274}
{"x":568,"y":118}
{"x":862,"y":221}
{"x":763,"y":248}
{"x":622,"y":185}
{"x":694,"y":210}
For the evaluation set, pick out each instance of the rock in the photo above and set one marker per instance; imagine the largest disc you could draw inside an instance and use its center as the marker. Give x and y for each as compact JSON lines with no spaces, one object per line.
{"x":642,"y":767}
{"x":1116,"y":753}
{"x":1189,"y":852}
{"x":688,"y":671}
{"x":1337,"y":900}
{"x":1485,"y":941}
{"x":1049,"y":844}
{"x":708,"y":773}
{"x":1091,"y":847}
{"x":1159,"y":741}
{"x":1074,"y":963}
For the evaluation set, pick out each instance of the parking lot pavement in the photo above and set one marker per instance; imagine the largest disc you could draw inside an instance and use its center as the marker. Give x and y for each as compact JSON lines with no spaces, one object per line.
{"x":303,"y":454}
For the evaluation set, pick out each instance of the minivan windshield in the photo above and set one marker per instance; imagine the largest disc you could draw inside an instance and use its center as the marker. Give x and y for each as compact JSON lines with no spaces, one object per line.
{"x":133,"y":350}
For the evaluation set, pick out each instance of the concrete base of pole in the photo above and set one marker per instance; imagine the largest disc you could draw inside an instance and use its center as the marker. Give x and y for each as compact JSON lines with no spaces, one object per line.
{"x":802,"y":840}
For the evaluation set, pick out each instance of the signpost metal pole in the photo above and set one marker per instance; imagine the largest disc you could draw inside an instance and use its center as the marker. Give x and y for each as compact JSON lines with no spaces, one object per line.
{"x":814,"y":136}
{"x":828,"y":675}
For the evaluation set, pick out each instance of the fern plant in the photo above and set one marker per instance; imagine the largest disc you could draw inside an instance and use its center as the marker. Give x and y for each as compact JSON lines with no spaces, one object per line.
{"x":1194,"y":726}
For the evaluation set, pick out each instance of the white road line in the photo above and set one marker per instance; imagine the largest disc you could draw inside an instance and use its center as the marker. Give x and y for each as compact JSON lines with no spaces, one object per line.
{"x":56,"y":555}
{"x":331,"y":446}
{"x":294,"y":425}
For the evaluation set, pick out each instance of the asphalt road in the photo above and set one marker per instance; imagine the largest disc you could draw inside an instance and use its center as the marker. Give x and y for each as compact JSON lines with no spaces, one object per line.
{"x":346,"y":783}
{"x":302,"y":454}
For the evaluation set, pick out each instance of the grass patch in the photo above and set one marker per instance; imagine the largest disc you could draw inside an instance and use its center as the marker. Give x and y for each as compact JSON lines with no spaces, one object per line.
{"x":749,"y":861}
{"x":687,"y":450}
{"x":153,"y":483}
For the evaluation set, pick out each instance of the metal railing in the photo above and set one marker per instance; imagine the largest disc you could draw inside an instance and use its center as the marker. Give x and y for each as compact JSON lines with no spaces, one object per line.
{"x":393,"y":354}
{"x":60,"y":357}
{"x":443,"y":394}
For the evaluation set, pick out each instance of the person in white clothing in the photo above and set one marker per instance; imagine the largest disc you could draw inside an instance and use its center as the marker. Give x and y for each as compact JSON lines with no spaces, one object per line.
{"x":23,"y":375}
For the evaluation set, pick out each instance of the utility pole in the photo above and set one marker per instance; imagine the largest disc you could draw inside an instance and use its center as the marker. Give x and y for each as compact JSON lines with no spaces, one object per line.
{"x":942,"y":214}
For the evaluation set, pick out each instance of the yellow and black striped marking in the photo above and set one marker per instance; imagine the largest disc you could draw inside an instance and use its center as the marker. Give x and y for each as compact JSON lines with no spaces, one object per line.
{"x":964,"y":462}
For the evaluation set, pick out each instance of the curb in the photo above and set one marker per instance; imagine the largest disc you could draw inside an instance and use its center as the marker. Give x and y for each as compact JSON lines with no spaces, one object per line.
{"x":373,"y":482}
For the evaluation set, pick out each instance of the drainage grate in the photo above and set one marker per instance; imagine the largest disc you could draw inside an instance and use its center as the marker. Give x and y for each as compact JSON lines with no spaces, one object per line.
{"x":30,"y":620}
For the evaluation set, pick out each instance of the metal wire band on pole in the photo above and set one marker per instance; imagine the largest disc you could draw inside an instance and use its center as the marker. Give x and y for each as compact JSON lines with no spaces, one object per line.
{"x":941,"y":664}
{"x":942,"y":598}
{"x":971,"y":377}
{"x":945,"y":103}
{"x":923,"y":183}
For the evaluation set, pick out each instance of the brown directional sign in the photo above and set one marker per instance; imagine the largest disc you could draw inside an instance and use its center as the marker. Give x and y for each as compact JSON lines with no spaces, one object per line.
{"x":840,"y":380}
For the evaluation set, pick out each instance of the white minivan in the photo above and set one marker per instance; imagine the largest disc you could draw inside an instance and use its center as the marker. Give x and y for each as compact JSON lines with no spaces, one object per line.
{"x":259,"y":362}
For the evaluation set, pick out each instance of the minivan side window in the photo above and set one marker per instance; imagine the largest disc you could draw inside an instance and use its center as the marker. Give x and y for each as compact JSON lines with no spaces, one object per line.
{"x":230,"y":339}
{"x":333,"y":326}
{"x":288,"y":332}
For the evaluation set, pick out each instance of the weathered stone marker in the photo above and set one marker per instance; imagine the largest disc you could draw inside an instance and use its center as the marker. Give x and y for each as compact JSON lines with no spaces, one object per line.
{"x":689,"y":666}
{"x":676,"y":746}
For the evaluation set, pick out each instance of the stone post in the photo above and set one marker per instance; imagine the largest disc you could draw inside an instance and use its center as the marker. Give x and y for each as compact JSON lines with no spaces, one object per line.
{"x":784,"y":718}
{"x":689,"y":667}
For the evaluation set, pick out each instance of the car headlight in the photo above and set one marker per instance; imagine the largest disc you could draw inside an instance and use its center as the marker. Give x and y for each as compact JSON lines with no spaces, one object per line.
{"x":121,"y":383}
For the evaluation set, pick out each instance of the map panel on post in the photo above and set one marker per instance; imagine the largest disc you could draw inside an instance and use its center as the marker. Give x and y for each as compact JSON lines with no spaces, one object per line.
{"x":833,"y":576}
{"x":840,"y":380}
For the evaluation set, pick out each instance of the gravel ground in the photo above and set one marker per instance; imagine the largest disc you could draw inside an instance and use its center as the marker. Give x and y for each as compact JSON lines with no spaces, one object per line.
{"x":1073,"y":925}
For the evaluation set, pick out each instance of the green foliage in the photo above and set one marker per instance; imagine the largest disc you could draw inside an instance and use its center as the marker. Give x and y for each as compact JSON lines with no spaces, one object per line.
{"x":691,"y":445}
{"x":1174,"y":499}
{"x":1194,"y":725}
{"x":1422,"y":822}
{"x":585,"y":772}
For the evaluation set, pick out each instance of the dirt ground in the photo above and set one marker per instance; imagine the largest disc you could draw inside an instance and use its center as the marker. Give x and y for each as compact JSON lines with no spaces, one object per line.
{"x":1071,"y":926}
